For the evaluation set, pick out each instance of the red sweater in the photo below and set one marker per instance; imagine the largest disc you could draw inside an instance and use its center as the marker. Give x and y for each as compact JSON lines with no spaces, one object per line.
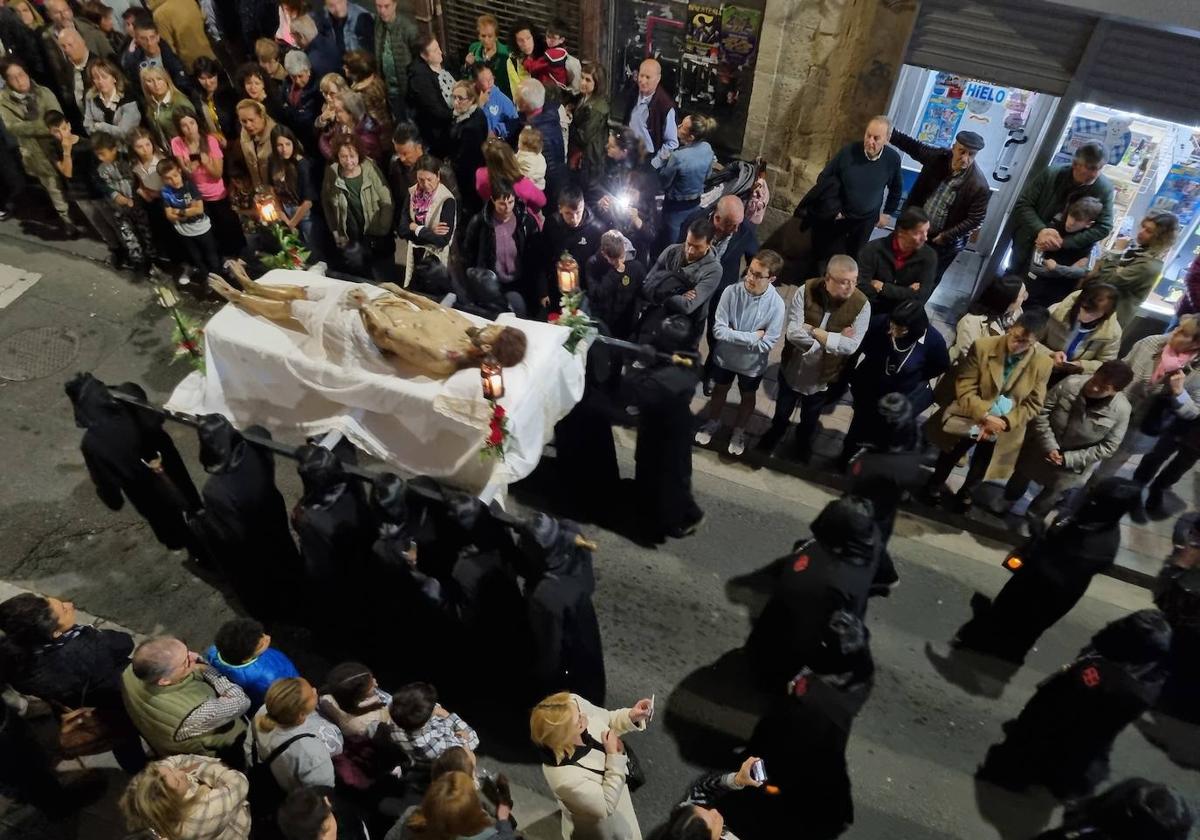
{"x":550,"y":67}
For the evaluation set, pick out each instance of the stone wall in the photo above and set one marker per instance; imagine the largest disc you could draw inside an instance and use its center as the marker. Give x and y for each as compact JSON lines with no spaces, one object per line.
{"x":824,"y":68}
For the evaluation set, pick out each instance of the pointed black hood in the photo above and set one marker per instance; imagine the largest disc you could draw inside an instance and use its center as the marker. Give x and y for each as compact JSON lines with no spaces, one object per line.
{"x":222,"y":447}
{"x":92,"y":402}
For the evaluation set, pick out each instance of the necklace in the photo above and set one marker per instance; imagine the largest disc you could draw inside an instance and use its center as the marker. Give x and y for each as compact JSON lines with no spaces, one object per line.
{"x":891,"y":366}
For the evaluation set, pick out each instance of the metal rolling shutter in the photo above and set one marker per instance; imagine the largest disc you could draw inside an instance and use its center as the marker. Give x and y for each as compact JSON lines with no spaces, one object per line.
{"x":460,"y":18}
{"x":1123,"y":75}
{"x":1017,"y":43}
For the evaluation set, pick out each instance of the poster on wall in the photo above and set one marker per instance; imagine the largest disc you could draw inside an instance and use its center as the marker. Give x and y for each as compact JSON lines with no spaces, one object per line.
{"x":1113,"y":134}
{"x":739,"y":35}
{"x":1180,"y":194}
{"x":939,"y":123}
{"x":703,"y":29}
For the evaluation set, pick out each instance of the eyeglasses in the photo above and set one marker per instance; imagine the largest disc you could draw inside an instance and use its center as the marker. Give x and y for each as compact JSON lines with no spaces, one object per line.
{"x":758,"y":275}
{"x":458,"y":98}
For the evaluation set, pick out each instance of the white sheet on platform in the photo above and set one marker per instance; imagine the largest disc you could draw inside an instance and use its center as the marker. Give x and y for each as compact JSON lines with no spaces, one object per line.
{"x":257,"y":372}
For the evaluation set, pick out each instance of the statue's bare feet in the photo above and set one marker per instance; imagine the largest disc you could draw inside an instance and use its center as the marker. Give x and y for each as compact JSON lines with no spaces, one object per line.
{"x":238,"y":269}
{"x":222,"y":287}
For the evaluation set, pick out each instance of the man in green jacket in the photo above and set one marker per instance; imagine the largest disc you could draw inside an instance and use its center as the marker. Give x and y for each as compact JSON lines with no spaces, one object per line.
{"x":395,"y":33}
{"x":182,"y":705}
{"x":1046,"y":198}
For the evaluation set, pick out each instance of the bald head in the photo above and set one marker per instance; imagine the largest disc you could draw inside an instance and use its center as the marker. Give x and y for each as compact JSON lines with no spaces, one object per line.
{"x":162,"y":661}
{"x":60,"y":13}
{"x":729,"y":214}
{"x":879,"y":131}
{"x":72,"y":45}
{"x":649,"y":75}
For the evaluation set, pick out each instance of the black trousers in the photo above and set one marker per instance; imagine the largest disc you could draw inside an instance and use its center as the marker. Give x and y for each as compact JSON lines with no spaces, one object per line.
{"x":946,"y":255}
{"x":811,"y":406}
{"x":981,"y":459}
{"x":840,"y":236}
{"x":1151,"y":466}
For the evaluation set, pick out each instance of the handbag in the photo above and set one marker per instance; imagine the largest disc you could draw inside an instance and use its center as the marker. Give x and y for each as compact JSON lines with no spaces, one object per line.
{"x":91,"y":731}
{"x":635,"y":774}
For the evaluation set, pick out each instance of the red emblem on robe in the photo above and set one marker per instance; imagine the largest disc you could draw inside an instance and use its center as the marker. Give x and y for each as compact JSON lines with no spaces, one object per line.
{"x":1091,"y":677}
{"x":800,"y":563}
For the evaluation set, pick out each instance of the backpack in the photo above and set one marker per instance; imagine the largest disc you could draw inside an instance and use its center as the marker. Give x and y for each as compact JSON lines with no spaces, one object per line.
{"x":265,"y":793}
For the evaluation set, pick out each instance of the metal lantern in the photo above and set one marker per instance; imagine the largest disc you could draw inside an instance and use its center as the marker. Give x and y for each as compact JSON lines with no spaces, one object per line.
{"x":492,"y":378}
{"x":568,"y":274}
{"x":267,"y":206}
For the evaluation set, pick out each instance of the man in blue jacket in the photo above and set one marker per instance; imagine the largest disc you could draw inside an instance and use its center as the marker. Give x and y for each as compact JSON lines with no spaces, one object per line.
{"x":242,"y":653}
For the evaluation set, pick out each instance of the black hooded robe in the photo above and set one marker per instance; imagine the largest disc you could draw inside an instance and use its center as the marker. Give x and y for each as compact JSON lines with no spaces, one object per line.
{"x":812,"y":584}
{"x":1056,"y":572}
{"x":116,"y":447}
{"x":663,"y":454}
{"x":802,"y":742}
{"x":569,"y":654}
{"x":881,"y":478}
{"x":245,"y":528}
{"x":1063,"y":736}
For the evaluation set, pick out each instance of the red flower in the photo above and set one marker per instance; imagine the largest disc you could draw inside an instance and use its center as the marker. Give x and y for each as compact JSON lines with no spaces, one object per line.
{"x":189,"y":346}
{"x":553,"y":316}
{"x":497,"y":436}
{"x":498,"y":412}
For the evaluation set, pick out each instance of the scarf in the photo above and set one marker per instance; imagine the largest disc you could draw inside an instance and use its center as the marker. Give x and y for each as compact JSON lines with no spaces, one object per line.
{"x":1169,"y":362}
{"x":73,"y":633}
{"x":465,"y":114}
{"x":421,"y":202}
{"x":1131,"y":253}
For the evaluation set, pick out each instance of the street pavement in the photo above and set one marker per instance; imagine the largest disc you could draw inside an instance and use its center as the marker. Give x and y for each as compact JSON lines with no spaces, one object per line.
{"x":672,"y":617}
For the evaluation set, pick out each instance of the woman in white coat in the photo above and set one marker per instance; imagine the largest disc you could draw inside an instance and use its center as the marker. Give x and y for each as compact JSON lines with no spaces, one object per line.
{"x":586,"y":765}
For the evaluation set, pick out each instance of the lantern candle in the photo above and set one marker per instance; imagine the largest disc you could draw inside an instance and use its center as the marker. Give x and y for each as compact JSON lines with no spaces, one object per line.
{"x":268,"y":210}
{"x":492,"y":377}
{"x":568,"y":274}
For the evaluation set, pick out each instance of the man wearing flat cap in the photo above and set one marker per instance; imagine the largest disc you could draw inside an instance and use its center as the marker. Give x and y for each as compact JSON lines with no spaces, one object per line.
{"x":952,"y":191}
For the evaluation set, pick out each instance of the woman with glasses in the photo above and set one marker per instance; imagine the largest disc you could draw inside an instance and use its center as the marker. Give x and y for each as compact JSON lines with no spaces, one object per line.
{"x":468,"y":133}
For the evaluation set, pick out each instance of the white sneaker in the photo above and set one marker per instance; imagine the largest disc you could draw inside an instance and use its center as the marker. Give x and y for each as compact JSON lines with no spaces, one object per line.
{"x":737,"y":442}
{"x":705,"y":433}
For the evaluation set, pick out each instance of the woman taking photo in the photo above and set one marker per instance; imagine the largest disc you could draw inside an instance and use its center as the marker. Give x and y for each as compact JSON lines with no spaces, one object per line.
{"x":623,"y":193}
{"x":427,"y":218}
{"x":109,"y":109}
{"x":429,"y":96}
{"x":218,"y":105}
{"x":294,"y":182}
{"x":467,"y":136}
{"x":585,"y":764}
{"x":199,"y":155}
{"x":290,"y":709}
{"x":163,"y":101}
{"x":589,"y":127}
{"x":1165,"y":391}
{"x":350,"y":117}
{"x":358,"y":205}
{"x":684,"y":173}
{"x":452,"y":810}
{"x":500,"y":164}
{"x":1082,"y":333}
{"x":1134,"y":270}
{"x":188,"y":797}
{"x":504,"y":238}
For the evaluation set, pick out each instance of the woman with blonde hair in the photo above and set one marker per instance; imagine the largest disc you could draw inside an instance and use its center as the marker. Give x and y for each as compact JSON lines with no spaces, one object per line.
{"x":500,"y":163}
{"x":163,"y":101}
{"x":585,"y":764}
{"x":109,"y":108}
{"x":289,"y":714}
{"x":468,"y":133}
{"x":452,"y":810}
{"x":29,"y":15}
{"x":188,"y":797}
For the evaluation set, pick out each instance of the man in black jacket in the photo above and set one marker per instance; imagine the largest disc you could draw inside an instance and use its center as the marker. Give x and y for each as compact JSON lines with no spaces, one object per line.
{"x":952,"y":191}
{"x":898,"y":267}
{"x":733,"y":242}
{"x":573,"y":230}
{"x":151,"y":50}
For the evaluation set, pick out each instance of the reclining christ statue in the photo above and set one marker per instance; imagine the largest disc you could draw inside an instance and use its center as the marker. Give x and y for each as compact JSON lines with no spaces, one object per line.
{"x":365,"y":324}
